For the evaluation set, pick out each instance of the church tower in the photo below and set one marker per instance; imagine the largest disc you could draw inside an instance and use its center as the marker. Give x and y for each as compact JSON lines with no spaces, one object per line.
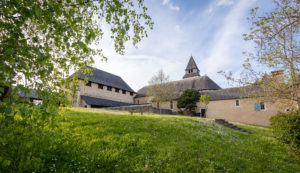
{"x":191,"y":69}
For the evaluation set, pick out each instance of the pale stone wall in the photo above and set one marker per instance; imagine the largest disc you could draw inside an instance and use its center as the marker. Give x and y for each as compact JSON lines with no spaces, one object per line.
{"x":245,"y":113}
{"x":226,"y":109}
{"x":163,"y":105}
{"x":141,"y":100}
{"x":94,"y":91}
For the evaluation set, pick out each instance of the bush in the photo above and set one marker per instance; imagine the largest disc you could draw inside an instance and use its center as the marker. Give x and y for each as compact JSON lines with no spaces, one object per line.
{"x":188,"y":100}
{"x":286,"y":127}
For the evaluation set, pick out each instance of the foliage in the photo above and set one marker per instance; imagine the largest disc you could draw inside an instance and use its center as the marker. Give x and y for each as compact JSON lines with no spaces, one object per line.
{"x":41,"y":43}
{"x":276,"y":39}
{"x":93,"y":140}
{"x":286,"y":127}
{"x":188,"y":100}
{"x":161,"y":89}
{"x":205,"y":99}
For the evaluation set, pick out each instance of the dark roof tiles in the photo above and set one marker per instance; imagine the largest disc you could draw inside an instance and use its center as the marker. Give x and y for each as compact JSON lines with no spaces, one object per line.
{"x":103,"y":102}
{"x":108,"y":79}
{"x":198,"y":83}
{"x":231,"y":93}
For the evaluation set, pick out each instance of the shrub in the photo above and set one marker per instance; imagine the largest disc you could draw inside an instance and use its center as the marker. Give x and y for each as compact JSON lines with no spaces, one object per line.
{"x":286,"y":127}
{"x":188,"y":100}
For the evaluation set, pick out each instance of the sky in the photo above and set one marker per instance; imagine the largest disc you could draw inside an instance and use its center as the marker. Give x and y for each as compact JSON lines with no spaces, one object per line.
{"x":209,"y":30}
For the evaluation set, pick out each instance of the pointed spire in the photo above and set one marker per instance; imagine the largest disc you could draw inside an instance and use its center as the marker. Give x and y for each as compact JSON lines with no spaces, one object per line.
{"x":191,"y":69}
{"x":191,"y":64}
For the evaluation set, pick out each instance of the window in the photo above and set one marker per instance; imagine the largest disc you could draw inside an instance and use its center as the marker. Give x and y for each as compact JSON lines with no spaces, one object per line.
{"x":287,"y":110}
{"x":89,"y":83}
{"x":100,"y":86}
{"x":123,"y":91}
{"x":171,"y":105}
{"x":262,"y":106}
{"x":259,"y":106}
{"x":117,"y":90}
{"x":109,"y":88}
{"x":237,"y":103}
{"x":157,"y":105}
{"x":131,"y":93}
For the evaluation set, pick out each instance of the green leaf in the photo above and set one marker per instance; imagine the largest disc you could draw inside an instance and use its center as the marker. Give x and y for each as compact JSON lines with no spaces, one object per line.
{"x":6,"y":163}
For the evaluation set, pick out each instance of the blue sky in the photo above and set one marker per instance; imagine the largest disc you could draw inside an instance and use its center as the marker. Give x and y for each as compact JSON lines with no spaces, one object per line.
{"x":210,"y":30}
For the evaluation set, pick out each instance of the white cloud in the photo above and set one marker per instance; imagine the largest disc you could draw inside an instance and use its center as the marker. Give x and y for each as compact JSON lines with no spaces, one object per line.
{"x":211,"y":33}
{"x":225,"y":2}
{"x":170,"y":4}
{"x":227,"y":40}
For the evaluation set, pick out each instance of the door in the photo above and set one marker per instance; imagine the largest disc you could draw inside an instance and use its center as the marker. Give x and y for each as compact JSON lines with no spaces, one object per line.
{"x":202,"y":112}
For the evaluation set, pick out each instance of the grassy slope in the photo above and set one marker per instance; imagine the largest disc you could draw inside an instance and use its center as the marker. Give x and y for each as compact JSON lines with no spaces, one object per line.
{"x":118,"y":142}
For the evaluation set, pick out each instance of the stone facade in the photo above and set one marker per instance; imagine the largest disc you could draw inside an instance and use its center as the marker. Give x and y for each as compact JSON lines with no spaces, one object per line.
{"x":104,"y":93}
{"x":102,"y":89}
{"x":245,"y":112}
{"x":223,"y":101}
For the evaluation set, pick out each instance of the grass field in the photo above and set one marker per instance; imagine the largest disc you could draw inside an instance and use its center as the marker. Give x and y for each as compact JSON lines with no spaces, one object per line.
{"x":93,"y":140}
{"x":109,"y":141}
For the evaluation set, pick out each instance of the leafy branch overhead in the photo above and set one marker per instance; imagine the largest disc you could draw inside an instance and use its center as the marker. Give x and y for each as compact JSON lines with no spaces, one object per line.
{"x":42,"y":41}
{"x":275,"y":36}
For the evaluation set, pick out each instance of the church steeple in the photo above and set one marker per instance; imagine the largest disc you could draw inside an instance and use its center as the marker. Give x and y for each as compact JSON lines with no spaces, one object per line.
{"x":191,"y":69}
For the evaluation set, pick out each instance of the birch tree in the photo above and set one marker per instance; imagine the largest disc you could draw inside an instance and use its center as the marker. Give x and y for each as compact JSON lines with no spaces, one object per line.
{"x":276,"y":40}
{"x":161,"y":89}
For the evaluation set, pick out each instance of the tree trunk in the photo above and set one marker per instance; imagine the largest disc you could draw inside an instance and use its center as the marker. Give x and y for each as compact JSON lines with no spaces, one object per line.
{"x":298,"y":103}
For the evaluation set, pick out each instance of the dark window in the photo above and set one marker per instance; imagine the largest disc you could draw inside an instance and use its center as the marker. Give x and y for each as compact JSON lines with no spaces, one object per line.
{"x":109,"y":88}
{"x":157,"y":104}
{"x":131,"y":93}
{"x":262,"y":106}
{"x":237,"y":102}
{"x":171,"y":105}
{"x":259,"y":106}
{"x":123,"y":91}
{"x":89,"y":83}
{"x":100,"y":86}
{"x":117,"y":90}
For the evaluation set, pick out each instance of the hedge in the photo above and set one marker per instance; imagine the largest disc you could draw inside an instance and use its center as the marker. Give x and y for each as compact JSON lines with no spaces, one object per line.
{"x":286,"y":127}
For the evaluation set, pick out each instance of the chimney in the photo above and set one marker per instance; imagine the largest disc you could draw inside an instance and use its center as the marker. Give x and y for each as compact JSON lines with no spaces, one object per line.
{"x":278,"y":76}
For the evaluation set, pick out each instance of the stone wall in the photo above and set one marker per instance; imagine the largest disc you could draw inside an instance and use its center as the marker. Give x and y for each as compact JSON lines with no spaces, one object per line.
{"x":141,"y":100}
{"x":94,"y":91}
{"x":226,"y":109}
{"x":142,"y":108}
{"x":244,"y":113}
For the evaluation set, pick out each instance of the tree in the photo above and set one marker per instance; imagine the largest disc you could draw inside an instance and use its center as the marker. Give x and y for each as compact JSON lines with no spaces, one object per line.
{"x":276,"y":39}
{"x":41,"y":43}
{"x":161,"y":89}
{"x":205,"y":100}
{"x":188,"y":100}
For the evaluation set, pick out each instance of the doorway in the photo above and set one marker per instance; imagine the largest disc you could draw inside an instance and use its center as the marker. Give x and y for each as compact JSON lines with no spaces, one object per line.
{"x":202,"y":113}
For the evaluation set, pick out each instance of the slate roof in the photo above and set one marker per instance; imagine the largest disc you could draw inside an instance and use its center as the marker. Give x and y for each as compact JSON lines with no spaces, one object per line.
{"x":102,"y":102}
{"x":191,"y":64}
{"x":105,"y":78}
{"x":199,"y":83}
{"x":230,"y":93}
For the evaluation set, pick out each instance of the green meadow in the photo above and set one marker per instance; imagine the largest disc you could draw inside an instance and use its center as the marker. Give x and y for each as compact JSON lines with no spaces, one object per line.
{"x":94,"y":140}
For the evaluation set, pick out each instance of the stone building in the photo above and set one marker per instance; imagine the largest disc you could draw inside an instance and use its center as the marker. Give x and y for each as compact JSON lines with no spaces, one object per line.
{"x":230,"y":104}
{"x":103,"y":90}
{"x":191,"y":80}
